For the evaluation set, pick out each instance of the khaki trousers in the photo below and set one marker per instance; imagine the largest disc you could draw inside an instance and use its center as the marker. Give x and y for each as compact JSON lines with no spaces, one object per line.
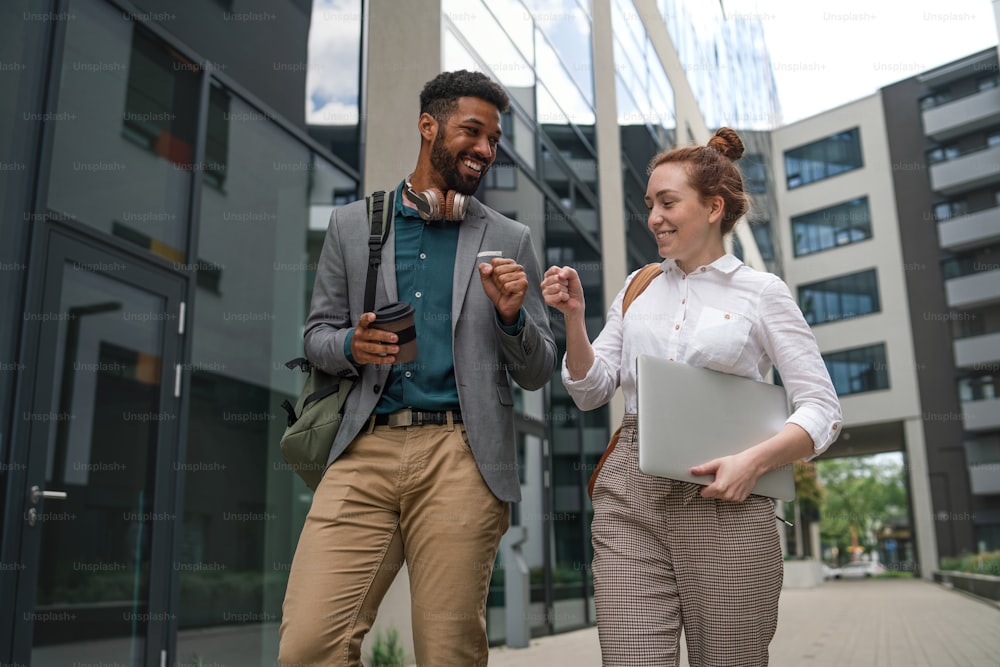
{"x":412,"y":494}
{"x":666,"y":558}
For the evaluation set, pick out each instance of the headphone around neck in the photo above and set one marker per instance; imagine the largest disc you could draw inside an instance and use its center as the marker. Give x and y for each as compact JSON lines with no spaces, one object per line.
{"x":430,"y":201}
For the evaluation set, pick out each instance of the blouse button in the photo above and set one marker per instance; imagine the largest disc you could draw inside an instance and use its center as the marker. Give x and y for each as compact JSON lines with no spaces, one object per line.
{"x":703,"y":269}
{"x":684,"y":300}
{"x":676,"y":327}
{"x":727,"y":316}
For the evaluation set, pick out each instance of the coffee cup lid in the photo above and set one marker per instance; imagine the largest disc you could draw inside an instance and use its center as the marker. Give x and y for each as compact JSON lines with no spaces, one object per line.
{"x":393,"y":312}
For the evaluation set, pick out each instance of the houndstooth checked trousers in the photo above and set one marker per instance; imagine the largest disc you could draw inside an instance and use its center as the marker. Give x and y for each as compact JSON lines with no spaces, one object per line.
{"x":666,"y":558}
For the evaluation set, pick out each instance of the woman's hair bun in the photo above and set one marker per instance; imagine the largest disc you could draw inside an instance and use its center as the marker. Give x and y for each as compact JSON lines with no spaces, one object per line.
{"x":727,"y":142}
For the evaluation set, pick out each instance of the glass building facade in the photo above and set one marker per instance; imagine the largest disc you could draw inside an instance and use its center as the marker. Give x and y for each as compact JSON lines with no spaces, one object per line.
{"x":165,"y":198}
{"x":174,"y":229}
{"x":721,"y":48}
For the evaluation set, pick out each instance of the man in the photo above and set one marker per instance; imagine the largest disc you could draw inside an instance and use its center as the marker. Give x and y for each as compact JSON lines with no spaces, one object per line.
{"x":424,"y":465}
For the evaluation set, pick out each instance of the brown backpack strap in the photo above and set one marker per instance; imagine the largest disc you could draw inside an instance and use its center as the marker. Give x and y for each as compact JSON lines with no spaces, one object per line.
{"x":639,"y":284}
{"x":632,"y":292}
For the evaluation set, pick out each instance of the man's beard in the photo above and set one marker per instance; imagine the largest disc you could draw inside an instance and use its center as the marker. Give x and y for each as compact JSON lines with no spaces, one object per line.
{"x":447,"y":166}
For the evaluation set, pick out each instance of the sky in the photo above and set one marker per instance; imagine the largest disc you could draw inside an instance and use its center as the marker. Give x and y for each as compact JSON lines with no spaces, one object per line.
{"x":827,"y":54}
{"x":824,"y":54}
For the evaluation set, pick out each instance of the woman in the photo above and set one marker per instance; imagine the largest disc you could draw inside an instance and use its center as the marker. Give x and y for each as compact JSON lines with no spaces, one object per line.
{"x":667,"y":554}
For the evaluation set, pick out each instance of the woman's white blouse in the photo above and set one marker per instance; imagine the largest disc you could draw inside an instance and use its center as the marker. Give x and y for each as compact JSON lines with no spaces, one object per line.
{"x":724,"y":316}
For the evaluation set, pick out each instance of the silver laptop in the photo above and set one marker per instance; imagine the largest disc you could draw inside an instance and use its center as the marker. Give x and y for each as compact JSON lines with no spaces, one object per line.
{"x":689,"y":416}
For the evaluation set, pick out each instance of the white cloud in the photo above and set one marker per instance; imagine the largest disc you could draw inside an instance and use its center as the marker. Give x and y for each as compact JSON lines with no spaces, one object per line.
{"x":334,"y":56}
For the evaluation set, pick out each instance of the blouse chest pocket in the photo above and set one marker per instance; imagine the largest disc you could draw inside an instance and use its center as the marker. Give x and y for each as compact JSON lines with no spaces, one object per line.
{"x":718,"y":339}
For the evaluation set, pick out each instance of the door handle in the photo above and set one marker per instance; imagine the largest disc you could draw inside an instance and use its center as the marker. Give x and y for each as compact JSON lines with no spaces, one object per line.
{"x":37,"y":494}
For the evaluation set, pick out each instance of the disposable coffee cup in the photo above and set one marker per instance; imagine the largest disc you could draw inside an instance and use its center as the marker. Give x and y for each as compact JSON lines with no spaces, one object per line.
{"x":398,"y":318}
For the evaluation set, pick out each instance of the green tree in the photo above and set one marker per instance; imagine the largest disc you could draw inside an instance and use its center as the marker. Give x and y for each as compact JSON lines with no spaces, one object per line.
{"x":860,"y":494}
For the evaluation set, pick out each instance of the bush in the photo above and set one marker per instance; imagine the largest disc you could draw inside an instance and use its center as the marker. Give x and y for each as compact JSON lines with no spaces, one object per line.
{"x":987,"y":562}
{"x":387,"y":652}
{"x":894,"y":574}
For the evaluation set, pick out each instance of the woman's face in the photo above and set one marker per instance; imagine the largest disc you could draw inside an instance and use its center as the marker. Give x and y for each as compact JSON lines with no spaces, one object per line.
{"x":686,"y":228}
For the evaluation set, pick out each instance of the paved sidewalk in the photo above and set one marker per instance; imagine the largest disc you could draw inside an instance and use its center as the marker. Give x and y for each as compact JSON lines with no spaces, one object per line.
{"x":861,"y":623}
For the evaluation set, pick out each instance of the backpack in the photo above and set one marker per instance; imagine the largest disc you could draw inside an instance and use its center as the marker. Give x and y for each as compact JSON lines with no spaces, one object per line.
{"x":315,"y":418}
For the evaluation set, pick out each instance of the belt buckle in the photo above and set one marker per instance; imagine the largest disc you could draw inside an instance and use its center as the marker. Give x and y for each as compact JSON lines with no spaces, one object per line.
{"x":402,"y":417}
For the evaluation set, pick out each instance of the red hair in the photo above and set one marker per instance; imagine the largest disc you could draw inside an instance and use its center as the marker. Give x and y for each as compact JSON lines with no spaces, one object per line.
{"x":711,"y":172}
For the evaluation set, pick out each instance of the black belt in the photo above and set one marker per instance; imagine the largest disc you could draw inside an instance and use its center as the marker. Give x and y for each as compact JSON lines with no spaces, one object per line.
{"x":407,"y":417}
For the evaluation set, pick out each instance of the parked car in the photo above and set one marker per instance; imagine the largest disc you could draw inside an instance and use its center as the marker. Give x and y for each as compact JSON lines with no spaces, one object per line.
{"x":830,"y":572}
{"x":860,"y":570}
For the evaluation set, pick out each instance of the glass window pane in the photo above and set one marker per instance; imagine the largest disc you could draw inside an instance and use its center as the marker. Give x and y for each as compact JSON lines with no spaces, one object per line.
{"x":95,"y":568}
{"x":263,"y":219}
{"x":832,"y":227}
{"x":126,"y":173}
{"x":838,"y":298}
{"x":553,"y":75}
{"x":332,"y":80}
{"x":567,"y":31}
{"x":504,"y":61}
{"x":859,"y":370}
{"x":823,"y":159}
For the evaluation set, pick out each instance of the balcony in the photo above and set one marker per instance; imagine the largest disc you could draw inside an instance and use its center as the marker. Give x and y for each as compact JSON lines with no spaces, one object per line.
{"x":985,"y":478}
{"x":971,"y":230}
{"x":978,"y":351}
{"x":981,"y":415}
{"x":973,"y":290}
{"x":968,"y":171}
{"x":963,"y":115}
{"x":983,"y":459}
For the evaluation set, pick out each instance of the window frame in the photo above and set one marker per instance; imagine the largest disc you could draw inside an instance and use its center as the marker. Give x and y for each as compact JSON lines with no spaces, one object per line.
{"x":797,"y":179}
{"x":840,"y":297}
{"x":850,"y":228}
{"x":878,"y":361}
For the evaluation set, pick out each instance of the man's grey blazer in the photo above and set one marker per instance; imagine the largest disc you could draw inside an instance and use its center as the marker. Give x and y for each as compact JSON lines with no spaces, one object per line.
{"x":485,"y":357}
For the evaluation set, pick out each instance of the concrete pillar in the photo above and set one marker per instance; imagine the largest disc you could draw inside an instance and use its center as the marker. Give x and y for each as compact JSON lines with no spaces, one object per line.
{"x":920,"y":496}
{"x":403,"y":47}
{"x":609,"y":177}
{"x":517,"y":588}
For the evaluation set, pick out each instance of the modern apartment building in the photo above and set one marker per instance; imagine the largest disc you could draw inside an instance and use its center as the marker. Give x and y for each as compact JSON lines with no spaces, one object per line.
{"x":947,"y":122}
{"x":888,"y":234}
{"x":164,"y":201}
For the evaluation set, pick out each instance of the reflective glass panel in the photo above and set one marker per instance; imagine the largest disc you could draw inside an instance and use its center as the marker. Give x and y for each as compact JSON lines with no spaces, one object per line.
{"x":840,"y":298}
{"x":263,"y":218}
{"x":858,"y":370}
{"x":843,"y":224}
{"x":122,"y":155}
{"x":96,"y":544}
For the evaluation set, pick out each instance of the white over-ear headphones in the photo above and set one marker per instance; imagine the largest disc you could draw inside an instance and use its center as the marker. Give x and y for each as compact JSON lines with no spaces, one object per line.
{"x":429,"y":203}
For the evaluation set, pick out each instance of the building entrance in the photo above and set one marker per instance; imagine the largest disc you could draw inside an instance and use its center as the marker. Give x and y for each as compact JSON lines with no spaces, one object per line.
{"x":99,"y":432}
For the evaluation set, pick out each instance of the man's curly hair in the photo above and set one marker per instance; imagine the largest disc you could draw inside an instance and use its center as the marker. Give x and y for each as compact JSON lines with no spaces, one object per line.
{"x":440,"y":96}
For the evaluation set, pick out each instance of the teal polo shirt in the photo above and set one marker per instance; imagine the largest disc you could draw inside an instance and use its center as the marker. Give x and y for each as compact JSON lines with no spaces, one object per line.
{"x":425,"y":268}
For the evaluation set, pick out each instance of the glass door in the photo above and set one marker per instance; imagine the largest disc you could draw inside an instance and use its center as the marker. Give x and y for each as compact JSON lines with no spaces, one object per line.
{"x":101,"y":424}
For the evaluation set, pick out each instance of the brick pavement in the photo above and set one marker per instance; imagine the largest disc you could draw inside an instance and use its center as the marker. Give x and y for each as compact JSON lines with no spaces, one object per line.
{"x":860,"y":623}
